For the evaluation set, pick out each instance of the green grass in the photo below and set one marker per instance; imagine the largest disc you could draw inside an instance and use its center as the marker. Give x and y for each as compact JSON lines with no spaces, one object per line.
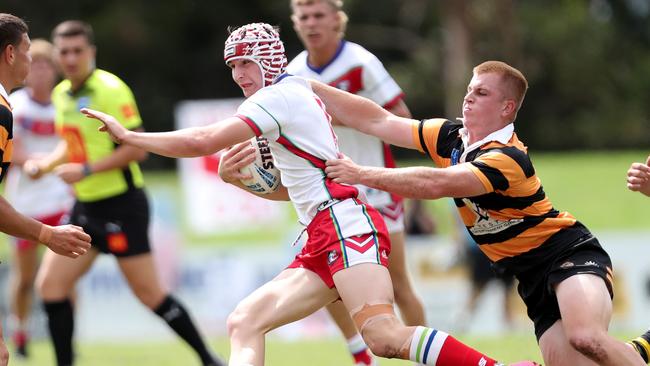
{"x":592,"y":187}
{"x":325,"y":352}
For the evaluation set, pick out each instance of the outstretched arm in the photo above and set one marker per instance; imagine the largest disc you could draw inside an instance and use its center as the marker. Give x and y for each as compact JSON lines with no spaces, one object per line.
{"x":188,"y":142}
{"x":68,"y":240}
{"x":638,"y":177}
{"x":413,"y":182}
{"x":364,"y":115}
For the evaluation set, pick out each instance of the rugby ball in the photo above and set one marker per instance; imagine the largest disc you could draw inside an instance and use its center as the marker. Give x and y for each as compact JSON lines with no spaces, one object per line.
{"x":265,"y":176}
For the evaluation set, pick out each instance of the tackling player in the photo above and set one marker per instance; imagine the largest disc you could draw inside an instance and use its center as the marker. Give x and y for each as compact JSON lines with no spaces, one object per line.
{"x":347,"y":249}
{"x":565,"y":276}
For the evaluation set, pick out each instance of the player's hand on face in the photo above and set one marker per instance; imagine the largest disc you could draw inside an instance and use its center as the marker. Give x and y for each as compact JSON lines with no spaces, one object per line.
{"x":638,"y":178}
{"x":70,"y":172}
{"x":110,"y":124}
{"x":235,"y":158}
{"x":343,"y":170}
{"x":69,"y":240}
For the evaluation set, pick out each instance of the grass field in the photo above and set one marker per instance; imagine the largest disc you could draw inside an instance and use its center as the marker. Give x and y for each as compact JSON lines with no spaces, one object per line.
{"x":327,"y":352}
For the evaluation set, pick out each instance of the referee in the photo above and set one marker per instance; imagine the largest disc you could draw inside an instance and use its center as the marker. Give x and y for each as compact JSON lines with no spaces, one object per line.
{"x":111,"y":204}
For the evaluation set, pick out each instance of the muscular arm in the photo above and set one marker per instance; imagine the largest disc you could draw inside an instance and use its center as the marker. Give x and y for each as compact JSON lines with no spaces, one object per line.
{"x":192,"y":142}
{"x":364,"y":115}
{"x":413,"y":182}
{"x":185,"y":143}
{"x":15,"y":224}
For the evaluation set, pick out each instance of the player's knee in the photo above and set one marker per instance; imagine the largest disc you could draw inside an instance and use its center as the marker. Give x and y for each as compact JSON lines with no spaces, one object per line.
{"x":239,"y":321}
{"x":588,"y":342}
{"x":43,"y":286}
{"x":382,"y":338}
{"x":150,"y":297}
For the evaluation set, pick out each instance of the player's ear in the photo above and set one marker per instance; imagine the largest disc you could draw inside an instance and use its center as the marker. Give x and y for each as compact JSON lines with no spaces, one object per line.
{"x":8,"y":54}
{"x":294,"y":20}
{"x":509,"y":107}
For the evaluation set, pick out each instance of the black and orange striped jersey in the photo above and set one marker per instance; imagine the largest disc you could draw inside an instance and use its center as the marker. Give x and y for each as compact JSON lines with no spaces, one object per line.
{"x":514,"y":223}
{"x":6,"y":135}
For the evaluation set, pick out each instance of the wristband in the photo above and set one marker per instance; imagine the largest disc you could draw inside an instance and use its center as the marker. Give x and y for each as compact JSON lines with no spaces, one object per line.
{"x":86,"y":170}
{"x":45,"y":235}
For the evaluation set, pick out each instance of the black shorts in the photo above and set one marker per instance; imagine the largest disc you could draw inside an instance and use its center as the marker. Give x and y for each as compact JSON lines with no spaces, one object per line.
{"x":536,"y":287}
{"x":118,"y":225}
{"x":481,"y":271}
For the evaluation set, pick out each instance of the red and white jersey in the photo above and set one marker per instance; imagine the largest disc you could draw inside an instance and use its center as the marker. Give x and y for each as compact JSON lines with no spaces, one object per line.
{"x":301,"y":137}
{"x":34,"y":134}
{"x":356,"y":70}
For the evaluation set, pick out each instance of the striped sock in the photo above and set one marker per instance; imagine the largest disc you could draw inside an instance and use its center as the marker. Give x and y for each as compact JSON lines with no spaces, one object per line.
{"x":437,"y":348}
{"x":356,"y":344}
{"x":642,"y":345}
{"x":359,"y":350}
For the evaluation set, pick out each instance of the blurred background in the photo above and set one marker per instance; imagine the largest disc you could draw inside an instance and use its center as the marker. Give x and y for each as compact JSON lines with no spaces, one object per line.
{"x":586,"y":117}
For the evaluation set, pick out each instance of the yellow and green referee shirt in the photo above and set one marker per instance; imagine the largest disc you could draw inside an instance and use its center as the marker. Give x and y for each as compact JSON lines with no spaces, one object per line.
{"x":105,"y":92}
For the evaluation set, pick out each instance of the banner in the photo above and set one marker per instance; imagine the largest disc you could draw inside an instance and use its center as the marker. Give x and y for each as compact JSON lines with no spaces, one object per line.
{"x":210,"y":205}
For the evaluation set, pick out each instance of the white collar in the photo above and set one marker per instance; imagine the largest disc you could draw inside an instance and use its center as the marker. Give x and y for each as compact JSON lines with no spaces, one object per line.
{"x":4,"y":94}
{"x":502,"y":136}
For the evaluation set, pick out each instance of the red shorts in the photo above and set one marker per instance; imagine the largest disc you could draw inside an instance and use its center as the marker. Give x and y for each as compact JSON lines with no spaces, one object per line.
{"x":53,"y":220}
{"x":341,"y":236}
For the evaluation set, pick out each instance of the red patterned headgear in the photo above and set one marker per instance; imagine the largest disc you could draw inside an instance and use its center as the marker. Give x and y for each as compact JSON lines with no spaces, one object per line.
{"x":260,"y":43}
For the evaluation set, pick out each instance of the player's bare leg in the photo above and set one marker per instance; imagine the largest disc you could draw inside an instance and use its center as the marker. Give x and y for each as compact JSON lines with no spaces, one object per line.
{"x":581,"y":338}
{"x":367,"y":292}
{"x":140,"y":273}
{"x":58,"y":274}
{"x":292,"y":295}
{"x":410,"y":306}
{"x":359,"y":350}
{"x":23,"y":273}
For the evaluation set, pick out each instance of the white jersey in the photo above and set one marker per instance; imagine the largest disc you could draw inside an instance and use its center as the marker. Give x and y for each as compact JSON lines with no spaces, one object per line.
{"x":34,"y":134}
{"x":301,"y":137}
{"x":356,"y":70}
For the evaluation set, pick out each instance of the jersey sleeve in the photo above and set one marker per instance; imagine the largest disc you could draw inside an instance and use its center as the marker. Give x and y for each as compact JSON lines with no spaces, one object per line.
{"x":120,"y":103}
{"x":426,"y":139}
{"x":265,"y":112}
{"x":6,"y":122}
{"x":380,"y":86}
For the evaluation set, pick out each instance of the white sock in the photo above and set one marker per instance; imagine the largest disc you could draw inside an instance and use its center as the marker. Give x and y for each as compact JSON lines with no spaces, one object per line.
{"x":356,"y":344}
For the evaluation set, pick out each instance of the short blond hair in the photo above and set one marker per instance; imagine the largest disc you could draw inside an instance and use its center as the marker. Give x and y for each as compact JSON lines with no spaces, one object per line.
{"x":337,"y":5}
{"x":42,"y":49}
{"x":515,"y":82}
